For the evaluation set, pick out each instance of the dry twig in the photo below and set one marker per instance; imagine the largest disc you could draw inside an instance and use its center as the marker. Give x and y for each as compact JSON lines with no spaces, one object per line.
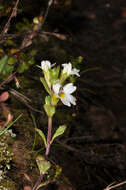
{"x":28,"y":39}
{"x":7,"y":25}
{"x":9,"y":79}
{"x":111,"y":186}
{"x":24,"y":100}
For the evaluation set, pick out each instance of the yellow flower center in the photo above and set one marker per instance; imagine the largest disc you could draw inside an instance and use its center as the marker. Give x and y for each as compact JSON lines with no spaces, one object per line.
{"x":54,"y":97}
{"x":61,"y":95}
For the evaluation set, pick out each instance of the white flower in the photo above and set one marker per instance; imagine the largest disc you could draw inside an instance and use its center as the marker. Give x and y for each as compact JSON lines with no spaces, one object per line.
{"x":75,"y":72}
{"x":67,"y":68}
{"x":45,"y":65}
{"x":65,"y":93}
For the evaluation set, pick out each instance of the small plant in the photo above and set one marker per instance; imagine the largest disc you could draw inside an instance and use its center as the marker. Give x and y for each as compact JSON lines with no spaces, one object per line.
{"x":56,"y":84}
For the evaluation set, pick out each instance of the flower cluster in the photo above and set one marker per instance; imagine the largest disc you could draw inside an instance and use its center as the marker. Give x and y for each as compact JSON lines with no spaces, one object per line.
{"x":53,"y":82}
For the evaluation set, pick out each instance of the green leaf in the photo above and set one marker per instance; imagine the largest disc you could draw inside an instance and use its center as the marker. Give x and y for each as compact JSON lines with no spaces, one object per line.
{"x":1,"y":51}
{"x":10,"y":42}
{"x":3,"y":131}
{"x":8,"y":69}
{"x":12,"y":60}
{"x":35,"y":20}
{"x":48,"y":100}
{"x":23,"y":67}
{"x":58,"y":171}
{"x":59,"y":132}
{"x":1,"y":7}
{"x":55,"y":73}
{"x":33,"y":52}
{"x":31,"y":61}
{"x":54,"y":100}
{"x":3,"y":63}
{"x":50,"y":110}
{"x":79,"y":59}
{"x":43,"y":164}
{"x":23,"y":56}
{"x":44,"y":84}
{"x":42,"y":135}
{"x":26,"y":21}
{"x":63,"y":77}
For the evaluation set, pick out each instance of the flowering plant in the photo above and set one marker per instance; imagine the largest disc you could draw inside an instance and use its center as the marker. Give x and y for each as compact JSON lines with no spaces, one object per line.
{"x":54,"y":81}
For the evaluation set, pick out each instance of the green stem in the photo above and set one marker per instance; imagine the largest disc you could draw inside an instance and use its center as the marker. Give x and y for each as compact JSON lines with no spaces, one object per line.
{"x":49,"y":136}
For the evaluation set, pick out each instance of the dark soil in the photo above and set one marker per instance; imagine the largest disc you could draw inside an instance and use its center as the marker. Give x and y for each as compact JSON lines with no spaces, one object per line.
{"x":98,"y":33}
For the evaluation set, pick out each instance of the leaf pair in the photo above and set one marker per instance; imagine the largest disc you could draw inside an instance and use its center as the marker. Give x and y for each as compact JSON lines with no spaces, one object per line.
{"x":58,"y":132}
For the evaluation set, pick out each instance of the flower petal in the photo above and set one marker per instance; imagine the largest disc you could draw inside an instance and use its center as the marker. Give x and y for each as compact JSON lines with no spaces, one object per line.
{"x":45,"y":65}
{"x":65,"y":101}
{"x":56,"y":88}
{"x":75,"y":72}
{"x":69,"y":88}
{"x":67,"y":67}
{"x":71,"y":99}
{"x":39,"y":66}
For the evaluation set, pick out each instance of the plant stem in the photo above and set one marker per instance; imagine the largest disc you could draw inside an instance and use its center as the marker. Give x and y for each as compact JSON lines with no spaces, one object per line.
{"x":49,"y":136}
{"x":38,"y":181}
{"x":47,"y":150}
